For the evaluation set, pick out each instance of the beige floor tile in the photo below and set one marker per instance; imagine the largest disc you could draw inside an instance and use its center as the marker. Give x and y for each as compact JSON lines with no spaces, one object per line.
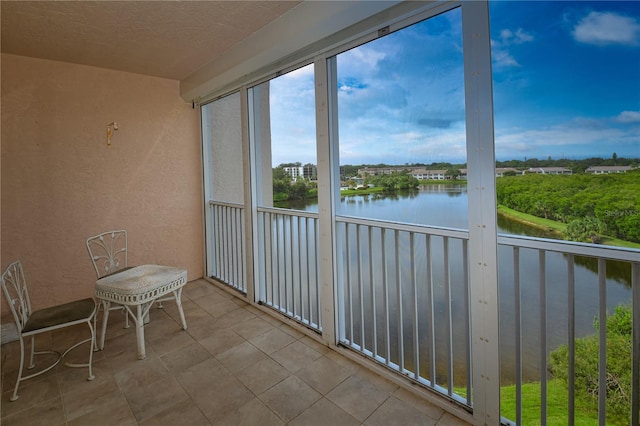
{"x":252,"y":328}
{"x":262,"y":375}
{"x":113,"y":412}
{"x":323,"y":374}
{"x":216,"y":304}
{"x":451,"y":420}
{"x":173,"y":339}
{"x":234,"y":318}
{"x":197,"y":289}
{"x":315,"y":345}
{"x":394,"y":411}
{"x":272,"y":341}
{"x":322,"y":413}
{"x":252,"y":413}
{"x":75,"y":379}
{"x":31,"y":393}
{"x":150,"y":399}
{"x":221,"y":341}
{"x":186,"y":357}
{"x":291,"y":331}
{"x":290,"y":397}
{"x":143,"y":373}
{"x":183,"y":413}
{"x":240,"y":357}
{"x":358,"y":397}
{"x":214,"y":389}
{"x":421,"y":404}
{"x":296,"y":356}
{"x":46,"y":413}
{"x":78,"y":403}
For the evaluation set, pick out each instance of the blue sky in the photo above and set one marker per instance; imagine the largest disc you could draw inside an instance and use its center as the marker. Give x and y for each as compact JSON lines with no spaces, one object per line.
{"x":566,"y":85}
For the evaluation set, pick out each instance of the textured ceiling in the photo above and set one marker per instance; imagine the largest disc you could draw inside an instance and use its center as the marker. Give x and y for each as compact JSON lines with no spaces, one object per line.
{"x":169,"y":39}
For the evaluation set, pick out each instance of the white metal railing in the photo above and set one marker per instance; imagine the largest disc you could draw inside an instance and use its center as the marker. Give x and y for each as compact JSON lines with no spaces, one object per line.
{"x":403,"y":300}
{"x":287,"y":264}
{"x":539,"y":252}
{"x":226,"y":244}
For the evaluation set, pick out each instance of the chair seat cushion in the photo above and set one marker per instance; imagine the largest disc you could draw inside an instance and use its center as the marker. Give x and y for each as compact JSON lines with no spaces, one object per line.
{"x":62,"y":314}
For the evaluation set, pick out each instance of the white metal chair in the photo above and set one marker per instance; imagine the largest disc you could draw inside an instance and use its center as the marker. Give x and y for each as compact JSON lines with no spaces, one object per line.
{"x":108,"y":252}
{"x":31,"y":323}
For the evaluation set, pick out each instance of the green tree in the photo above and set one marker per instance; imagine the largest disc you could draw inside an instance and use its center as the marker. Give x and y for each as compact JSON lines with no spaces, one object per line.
{"x":587,"y":229}
{"x":618,"y":375}
{"x":453,"y":173}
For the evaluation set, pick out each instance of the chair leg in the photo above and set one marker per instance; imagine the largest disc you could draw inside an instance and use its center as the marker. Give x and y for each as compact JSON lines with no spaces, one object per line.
{"x":178,"y":295}
{"x":91,"y":348}
{"x":15,"y":390}
{"x":105,"y":304}
{"x":33,"y":350}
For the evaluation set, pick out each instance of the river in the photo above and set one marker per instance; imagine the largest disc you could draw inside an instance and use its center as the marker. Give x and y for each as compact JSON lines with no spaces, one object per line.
{"x":446,"y":205}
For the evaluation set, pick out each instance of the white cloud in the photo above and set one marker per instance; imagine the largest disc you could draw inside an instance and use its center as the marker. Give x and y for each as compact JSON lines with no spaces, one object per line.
{"x":500,"y":48}
{"x":561,"y":138}
{"x":602,"y":28}
{"x":628,"y":117}
{"x":508,"y":37}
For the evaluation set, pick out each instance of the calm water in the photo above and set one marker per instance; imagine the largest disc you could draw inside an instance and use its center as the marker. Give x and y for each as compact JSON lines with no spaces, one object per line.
{"x":445,"y":205}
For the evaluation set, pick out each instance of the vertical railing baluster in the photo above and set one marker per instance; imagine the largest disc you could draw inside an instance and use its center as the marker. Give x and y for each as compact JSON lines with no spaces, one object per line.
{"x":219,"y":241}
{"x":416,"y":328}
{"x":299,"y":262}
{"x":467,"y":317}
{"x":517,"y":314}
{"x":571,"y":309}
{"x":432,"y":312}
{"x":309,"y":309}
{"x":372,"y":286}
{"x":234,"y":246}
{"x":316,"y":267}
{"x":399,"y":301}
{"x":287,"y":241}
{"x":385,"y":290}
{"x":635,"y":326}
{"x":602,"y":356}
{"x":543,"y":337}
{"x":242,"y":252}
{"x":347,"y":271}
{"x":273,"y":259}
{"x":226,"y":256}
{"x":449,"y":316}
{"x":359,"y":280}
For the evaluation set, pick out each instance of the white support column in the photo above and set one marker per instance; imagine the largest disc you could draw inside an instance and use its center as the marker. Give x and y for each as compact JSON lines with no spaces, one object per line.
{"x":249,"y":198}
{"x":483,"y":246}
{"x":327,"y":164}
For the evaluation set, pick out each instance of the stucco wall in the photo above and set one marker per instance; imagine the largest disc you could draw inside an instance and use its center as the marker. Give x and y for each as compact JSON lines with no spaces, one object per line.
{"x":61,"y":183}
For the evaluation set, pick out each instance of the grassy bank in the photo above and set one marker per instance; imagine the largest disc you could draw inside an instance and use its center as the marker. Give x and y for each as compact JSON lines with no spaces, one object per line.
{"x":558,"y":228}
{"x":586,"y":414}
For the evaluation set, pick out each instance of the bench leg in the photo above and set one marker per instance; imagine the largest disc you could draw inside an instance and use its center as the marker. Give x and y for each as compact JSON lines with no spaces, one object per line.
{"x":140,"y":331}
{"x":178,"y":296}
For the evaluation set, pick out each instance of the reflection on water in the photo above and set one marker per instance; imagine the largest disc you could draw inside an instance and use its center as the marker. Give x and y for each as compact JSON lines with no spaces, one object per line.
{"x":445,"y":205}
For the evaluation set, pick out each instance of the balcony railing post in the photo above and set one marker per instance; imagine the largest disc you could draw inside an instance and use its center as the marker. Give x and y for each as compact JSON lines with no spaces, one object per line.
{"x":483,"y":247}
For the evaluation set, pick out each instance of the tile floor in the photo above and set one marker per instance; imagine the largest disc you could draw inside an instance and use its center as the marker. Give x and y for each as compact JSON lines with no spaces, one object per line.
{"x":235,"y":365}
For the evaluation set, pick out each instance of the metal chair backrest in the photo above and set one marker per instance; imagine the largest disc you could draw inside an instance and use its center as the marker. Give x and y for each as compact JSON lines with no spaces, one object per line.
{"x":108,"y":252}
{"x":15,"y":290}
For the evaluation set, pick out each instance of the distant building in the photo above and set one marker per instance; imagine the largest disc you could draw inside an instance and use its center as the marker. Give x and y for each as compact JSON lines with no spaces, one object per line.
{"x":308,"y":171}
{"x":424,"y":174}
{"x":550,"y":170}
{"x":500,"y":171}
{"x":603,"y":170}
